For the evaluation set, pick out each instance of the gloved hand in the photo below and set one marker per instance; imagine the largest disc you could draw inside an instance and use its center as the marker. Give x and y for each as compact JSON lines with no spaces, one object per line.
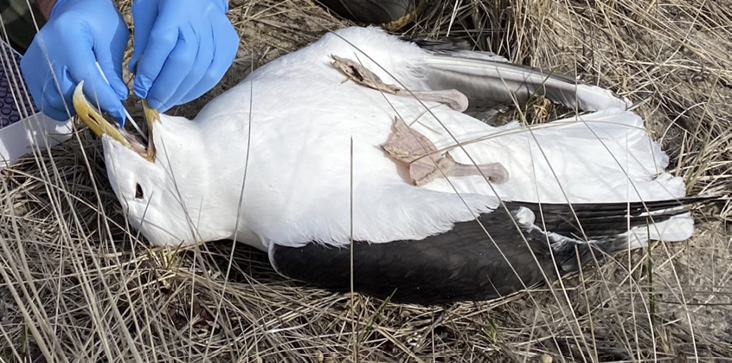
{"x":78,"y":34}
{"x":182,"y":49}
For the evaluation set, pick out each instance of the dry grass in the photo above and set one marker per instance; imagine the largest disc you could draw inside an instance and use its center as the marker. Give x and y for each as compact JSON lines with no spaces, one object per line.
{"x":77,"y":285}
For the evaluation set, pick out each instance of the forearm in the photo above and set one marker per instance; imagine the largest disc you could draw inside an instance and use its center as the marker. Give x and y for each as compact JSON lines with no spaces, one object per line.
{"x":45,"y":6}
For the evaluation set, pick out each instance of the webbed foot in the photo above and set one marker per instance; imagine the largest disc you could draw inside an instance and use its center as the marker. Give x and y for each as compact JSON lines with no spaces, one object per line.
{"x":364,"y":77}
{"x":426,"y":163}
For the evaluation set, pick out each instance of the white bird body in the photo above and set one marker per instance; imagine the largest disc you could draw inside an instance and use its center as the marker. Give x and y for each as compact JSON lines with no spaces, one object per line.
{"x":293,"y":132}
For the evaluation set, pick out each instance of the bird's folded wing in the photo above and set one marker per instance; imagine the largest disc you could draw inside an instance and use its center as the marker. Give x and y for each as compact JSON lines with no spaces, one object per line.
{"x":488,"y":81}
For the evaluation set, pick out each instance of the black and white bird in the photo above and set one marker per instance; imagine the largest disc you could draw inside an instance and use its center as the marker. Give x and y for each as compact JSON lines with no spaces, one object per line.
{"x":361,"y":143}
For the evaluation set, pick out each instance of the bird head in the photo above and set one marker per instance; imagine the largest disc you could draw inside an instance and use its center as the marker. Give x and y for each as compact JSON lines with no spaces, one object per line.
{"x":151,"y":183}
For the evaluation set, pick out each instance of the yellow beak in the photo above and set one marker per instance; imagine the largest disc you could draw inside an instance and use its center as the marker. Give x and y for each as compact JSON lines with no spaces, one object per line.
{"x":100,"y":126}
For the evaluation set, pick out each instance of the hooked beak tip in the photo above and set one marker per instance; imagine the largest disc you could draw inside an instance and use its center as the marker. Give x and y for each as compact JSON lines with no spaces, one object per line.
{"x":92,"y":118}
{"x":100,"y":126}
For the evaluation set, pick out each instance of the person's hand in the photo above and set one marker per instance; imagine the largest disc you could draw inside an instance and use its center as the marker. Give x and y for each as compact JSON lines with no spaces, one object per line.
{"x":182,"y":49}
{"x":78,"y":34}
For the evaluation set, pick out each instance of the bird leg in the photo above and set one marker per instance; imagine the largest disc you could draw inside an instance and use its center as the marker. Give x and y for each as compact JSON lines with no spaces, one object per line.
{"x":364,"y":77}
{"x":426,"y":163}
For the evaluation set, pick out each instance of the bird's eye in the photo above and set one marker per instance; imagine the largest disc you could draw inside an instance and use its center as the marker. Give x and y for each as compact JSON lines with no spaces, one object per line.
{"x":138,"y":192}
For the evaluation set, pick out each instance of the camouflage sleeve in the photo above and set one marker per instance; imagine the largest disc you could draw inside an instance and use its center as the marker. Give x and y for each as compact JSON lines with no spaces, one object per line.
{"x":45,"y":6}
{"x":22,"y":21}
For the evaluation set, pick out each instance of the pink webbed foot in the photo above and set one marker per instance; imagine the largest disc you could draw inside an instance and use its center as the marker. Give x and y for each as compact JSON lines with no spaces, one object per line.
{"x":426,"y":163}
{"x":364,"y":77}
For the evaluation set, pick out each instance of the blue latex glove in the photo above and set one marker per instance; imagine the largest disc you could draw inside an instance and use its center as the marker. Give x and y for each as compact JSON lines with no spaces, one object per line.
{"x":77,"y":34}
{"x":182,"y":49}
